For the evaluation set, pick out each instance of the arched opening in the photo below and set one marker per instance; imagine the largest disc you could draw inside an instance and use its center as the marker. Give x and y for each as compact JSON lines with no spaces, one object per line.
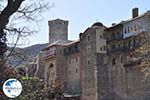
{"x":48,"y":72}
{"x":51,"y":65}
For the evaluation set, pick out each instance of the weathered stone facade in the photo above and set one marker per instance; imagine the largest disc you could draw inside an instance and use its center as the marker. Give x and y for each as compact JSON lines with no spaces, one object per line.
{"x":94,"y":68}
{"x":40,"y":66}
{"x":55,"y":62}
{"x":126,"y":81}
{"x":101,"y":65}
{"x":58,"y":30}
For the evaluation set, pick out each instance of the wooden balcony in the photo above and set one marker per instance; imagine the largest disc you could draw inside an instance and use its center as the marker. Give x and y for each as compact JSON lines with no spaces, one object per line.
{"x":120,"y":37}
{"x":124,"y":48}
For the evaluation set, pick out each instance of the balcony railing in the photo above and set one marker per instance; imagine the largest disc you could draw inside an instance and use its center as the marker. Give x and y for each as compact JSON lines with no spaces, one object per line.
{"x":71,"y":50}
{"x":124,"y":48}
{"x":133,"y":33}
{"x":115,"y":38}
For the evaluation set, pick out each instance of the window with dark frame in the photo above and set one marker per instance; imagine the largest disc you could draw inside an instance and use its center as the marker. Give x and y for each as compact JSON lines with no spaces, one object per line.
{"x":70,"y":72}
{"x":101,"y":36}
{"x":113,"y":61}
{"x":101,"y":48}
{"x":89,"y":62}
{"x":121,"y":59}
{"x":76,"y":59}
{"x":125,"y":31}
{"x":88,"y":38}
{"x":104,"y":47}
{"x":76,"y":70}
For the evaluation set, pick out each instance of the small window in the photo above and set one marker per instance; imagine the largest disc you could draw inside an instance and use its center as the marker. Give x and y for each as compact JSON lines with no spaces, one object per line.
{"x":104,"y":36}
{"x":70,"y":72}
{"x":76,"y":70}
{"x":118,"y":34}
{"x":88,"y":38}
{"x":129,"y":43}
{"x":101,"y":36}
{"x":121,"y":59}
{"x":76,"y":59}
{"x":118,"y":45}
{"x":104,"y":47}
{"x":89,"y":49}
{"x":124,"y":44}
{"x":51,"y":65}
{"x":134,"y":42}
{"x":135,"y":29}
{"x":101,"y":48}
{"x":125,"y":31}
{"x":113,"y":61}
{"x":131,"y":29}
{"x":89,"y":62}
{"x":113,"y":46}
{"x":128,"y":29}
{"x":89,"y":81}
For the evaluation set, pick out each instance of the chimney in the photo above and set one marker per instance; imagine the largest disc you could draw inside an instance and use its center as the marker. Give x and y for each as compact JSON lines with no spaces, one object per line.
{"x":113,"y":24}
{"x":135,"y":12}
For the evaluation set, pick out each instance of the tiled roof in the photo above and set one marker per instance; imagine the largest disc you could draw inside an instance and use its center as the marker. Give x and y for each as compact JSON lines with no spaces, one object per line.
{"x":129,"y":20}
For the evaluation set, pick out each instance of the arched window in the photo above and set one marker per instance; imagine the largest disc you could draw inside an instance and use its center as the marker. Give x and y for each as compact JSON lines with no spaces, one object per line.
{"x":51,"y":65}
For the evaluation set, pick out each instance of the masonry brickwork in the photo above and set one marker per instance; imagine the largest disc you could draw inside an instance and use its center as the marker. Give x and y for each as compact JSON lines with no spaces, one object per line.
{"x":101,"y":65}
{"x":58,"y":30}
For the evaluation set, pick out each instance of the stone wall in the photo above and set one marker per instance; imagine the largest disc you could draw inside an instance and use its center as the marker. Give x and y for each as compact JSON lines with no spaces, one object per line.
{"x":58,"y":30}
{"x":126,"y":83}
{"x":88,"y":48}
{"x":74,"y":73}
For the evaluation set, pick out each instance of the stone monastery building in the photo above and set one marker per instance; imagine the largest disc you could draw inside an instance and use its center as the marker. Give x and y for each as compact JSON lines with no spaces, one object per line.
{"x":101,"y":64}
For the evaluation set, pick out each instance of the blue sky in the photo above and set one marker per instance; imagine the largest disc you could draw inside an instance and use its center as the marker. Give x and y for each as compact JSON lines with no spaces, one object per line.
{"x":83,"y":13}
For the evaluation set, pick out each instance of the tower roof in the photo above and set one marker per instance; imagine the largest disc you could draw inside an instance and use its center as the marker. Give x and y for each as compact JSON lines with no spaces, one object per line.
{"x":58,"y":19}
{"x":97,"y":24}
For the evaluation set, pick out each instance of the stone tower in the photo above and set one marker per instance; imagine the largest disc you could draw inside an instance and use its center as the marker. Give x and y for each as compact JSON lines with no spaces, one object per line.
{"x":58,"y":30}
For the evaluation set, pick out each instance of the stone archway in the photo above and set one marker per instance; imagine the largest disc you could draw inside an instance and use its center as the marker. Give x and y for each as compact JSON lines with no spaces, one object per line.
{"x":51,"y":65}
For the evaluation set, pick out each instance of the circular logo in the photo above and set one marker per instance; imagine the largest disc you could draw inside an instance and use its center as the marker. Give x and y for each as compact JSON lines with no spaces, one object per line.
{"x":12,"y":88}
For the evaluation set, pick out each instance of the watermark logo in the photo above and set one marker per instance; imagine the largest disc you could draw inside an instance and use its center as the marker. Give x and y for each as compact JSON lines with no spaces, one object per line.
{"x":12,"y":88}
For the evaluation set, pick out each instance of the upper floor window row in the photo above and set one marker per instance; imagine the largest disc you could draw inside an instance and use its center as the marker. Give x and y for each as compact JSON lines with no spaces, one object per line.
{"x":137,"y":27}
{"x":102,"y":36}
{"x":72,"y":49}
{"x":133,"y":28}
